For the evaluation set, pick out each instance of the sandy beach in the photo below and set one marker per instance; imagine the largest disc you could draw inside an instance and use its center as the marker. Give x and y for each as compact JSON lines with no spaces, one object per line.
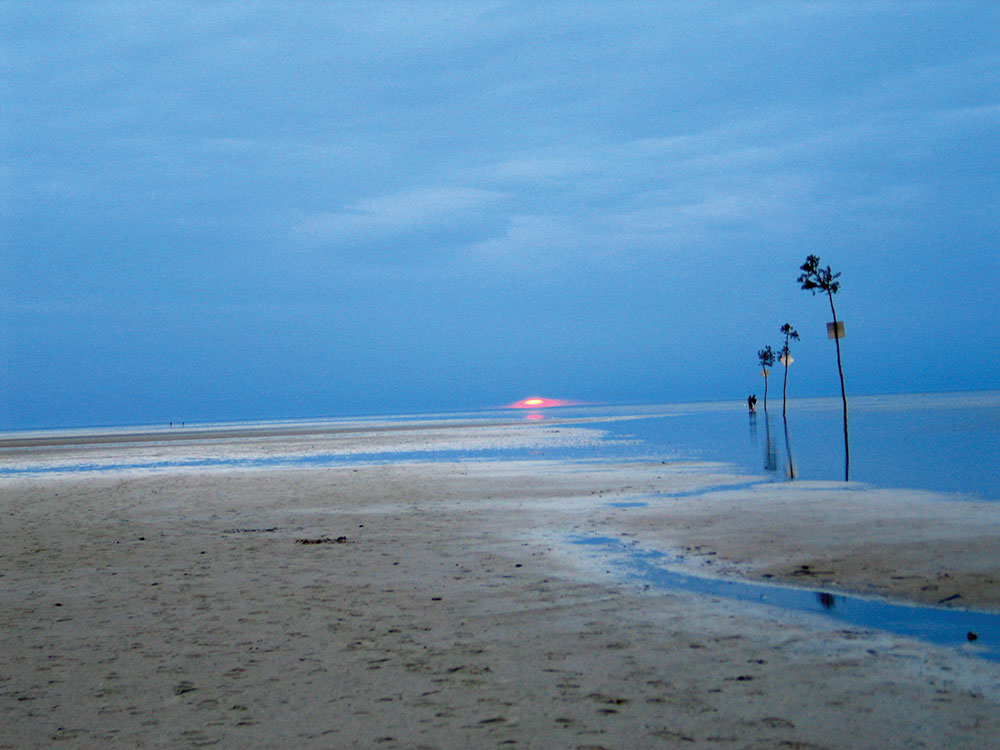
{"x":441,"y":604}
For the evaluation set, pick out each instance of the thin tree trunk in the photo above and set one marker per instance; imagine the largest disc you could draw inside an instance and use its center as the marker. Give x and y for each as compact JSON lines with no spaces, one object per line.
{"x":788,"y":450}
{"x":784,"y":385}
{"x":843,"y":393}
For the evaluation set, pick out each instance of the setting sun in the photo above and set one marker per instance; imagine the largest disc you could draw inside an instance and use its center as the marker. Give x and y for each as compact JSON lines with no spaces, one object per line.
{"x":537,"y":402}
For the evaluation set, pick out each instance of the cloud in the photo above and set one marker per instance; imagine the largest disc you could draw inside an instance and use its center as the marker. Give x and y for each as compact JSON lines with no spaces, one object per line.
{"x":532,"y":241}
{"x":418,"y":209}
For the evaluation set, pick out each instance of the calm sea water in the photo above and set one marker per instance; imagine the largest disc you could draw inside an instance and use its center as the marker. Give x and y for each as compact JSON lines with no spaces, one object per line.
{"x":942,"y":442}
{"x":945,"y":442}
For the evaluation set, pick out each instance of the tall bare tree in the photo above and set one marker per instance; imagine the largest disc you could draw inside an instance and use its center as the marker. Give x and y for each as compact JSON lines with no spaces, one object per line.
{"x":785,"y":357}
{"x":816,"y":279}
{"x":766,"y":357}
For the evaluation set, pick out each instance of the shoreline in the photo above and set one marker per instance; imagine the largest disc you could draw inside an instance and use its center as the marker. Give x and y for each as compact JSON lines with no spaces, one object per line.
{"x":437,"y":607}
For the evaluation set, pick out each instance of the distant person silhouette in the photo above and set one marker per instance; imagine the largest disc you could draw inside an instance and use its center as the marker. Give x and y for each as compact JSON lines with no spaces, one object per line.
{"x":752,"y":402}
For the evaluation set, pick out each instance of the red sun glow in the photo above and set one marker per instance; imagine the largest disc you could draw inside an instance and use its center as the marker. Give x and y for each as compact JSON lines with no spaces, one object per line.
{"x":537,"y":402}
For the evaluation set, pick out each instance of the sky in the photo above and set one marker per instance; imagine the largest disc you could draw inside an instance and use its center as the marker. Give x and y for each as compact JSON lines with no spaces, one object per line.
{"x":253,"y":210}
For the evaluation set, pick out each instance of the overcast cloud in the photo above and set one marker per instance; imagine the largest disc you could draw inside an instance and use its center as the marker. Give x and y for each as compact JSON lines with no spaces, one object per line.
{"x":248,"y":210}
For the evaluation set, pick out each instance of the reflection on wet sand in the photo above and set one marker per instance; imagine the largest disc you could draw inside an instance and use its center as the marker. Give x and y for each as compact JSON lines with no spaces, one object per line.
{"x":770,"y":453}
{"x":772,"y":461}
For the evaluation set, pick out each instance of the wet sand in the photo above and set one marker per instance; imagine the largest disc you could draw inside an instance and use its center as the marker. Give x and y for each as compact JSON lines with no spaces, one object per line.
{"x":439,"y":605}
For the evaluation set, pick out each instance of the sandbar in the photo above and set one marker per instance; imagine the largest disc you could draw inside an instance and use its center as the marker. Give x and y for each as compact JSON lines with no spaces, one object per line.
{"x":438,"y":604}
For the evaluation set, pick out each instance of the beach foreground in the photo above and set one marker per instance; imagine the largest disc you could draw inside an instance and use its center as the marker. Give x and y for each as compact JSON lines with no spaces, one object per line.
{"x":442,"y":605}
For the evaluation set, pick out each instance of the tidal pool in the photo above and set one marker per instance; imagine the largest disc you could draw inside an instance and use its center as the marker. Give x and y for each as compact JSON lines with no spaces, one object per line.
{"x":977,"y":633}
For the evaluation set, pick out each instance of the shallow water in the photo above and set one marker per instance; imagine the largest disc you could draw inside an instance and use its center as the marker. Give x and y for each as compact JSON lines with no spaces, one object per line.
{"x":977,"y":633}
{"x":940,"y":442}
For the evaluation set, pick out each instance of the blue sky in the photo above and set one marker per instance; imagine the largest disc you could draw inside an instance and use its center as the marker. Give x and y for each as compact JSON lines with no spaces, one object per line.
{"x":231,"y":210}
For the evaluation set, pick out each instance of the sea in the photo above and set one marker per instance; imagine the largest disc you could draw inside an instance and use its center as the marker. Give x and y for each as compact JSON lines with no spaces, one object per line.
{"x":943,"y":442}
